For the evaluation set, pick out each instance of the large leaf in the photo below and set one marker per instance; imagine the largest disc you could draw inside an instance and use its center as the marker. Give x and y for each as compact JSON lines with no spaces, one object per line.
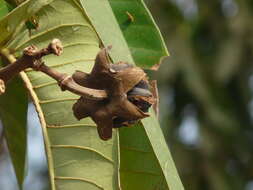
{"x":145,"y":161}
{"x":13,"y":113}
{"x":13,"y":110}
{"x":77,"y":158}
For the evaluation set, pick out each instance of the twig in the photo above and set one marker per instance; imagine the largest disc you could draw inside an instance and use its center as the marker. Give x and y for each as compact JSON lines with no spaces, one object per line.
{"x":32,"y":59}
{"x":66,"y":82}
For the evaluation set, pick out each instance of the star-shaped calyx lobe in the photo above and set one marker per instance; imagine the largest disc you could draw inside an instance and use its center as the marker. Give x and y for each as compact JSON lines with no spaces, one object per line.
{"x":129,"y":96}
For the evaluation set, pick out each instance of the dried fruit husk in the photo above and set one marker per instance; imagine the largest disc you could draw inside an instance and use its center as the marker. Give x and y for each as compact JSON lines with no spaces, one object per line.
{"x":129,"y":96}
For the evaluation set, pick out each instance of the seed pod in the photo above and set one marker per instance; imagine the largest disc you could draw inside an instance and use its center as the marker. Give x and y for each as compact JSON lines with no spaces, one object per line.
{"x":128,"y":91}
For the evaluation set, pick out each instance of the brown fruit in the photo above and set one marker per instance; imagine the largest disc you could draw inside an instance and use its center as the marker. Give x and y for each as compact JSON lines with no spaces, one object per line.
{"x":128,"y":91}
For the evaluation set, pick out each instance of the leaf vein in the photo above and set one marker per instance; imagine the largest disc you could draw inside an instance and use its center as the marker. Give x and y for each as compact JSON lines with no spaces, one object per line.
{"x":62,"y":64}
{"x":84,"y":148}
{"x":44,"y":84}
{"x":50,"y":30}
{"x":70,"y":126}
{"x":79,"y":179}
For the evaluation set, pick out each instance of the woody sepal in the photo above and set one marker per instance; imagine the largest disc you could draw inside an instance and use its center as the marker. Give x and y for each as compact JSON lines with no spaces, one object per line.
{"x":123,"y":106}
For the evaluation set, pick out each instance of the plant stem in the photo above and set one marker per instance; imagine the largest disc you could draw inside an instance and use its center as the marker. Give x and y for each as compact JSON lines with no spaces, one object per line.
{"x":11,"y":70}
{"x":32,"y":59}
{"x":66,"y":82}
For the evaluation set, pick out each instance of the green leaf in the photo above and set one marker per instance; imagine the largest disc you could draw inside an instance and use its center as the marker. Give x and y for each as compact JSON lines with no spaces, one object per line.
{"x":12,"y":23}
{"x":102,"y":18}
{"x":15,"y":2}
{"x":13,"y":113}
{"x":166,"y":163}
{"x":140,"y":31}
{"x":148,"y":48}
{"x":4,"y":9}
{"x":145,"y":161}
{"x":77,"y":158}
{"x":142,"y":158}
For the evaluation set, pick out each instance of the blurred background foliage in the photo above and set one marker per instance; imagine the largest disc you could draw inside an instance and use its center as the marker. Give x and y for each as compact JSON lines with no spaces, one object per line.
{"x":206,"y":88}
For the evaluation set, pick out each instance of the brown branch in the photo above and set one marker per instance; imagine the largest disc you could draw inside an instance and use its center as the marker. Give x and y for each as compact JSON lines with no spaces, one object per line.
{"x":11,"y":70}
{"x":32,"y":59}
{"x":66,"y":82}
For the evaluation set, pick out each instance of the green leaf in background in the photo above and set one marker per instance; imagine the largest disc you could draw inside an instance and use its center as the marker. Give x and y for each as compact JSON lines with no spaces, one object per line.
{"x":13,"y":22}
{"x":78,"y":159}
{"x":13,"y":114}
{"x":145,"y":161}
{"x":4,"y":9}
{"x":140,"y":31}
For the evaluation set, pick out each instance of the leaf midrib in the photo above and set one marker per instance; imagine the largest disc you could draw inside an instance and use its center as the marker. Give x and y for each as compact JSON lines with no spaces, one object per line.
{"x":38,"y":108}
